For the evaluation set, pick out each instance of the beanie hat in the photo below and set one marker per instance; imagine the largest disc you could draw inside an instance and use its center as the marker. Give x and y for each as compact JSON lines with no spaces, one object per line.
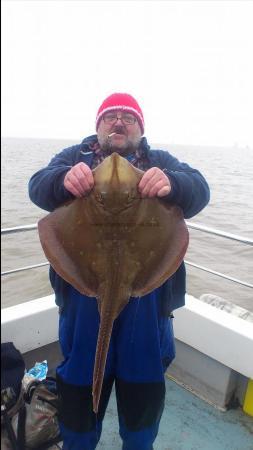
{"x":124,"y":102}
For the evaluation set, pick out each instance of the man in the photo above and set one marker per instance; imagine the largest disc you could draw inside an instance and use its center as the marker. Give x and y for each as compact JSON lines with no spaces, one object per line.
{"x":142,"y":342}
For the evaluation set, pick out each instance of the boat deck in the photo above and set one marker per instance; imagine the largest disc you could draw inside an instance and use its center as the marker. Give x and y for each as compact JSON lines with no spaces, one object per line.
{"x":188,"y":423}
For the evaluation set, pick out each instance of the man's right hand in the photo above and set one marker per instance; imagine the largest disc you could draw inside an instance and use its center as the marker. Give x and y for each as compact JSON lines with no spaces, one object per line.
{"x":79,"y":180}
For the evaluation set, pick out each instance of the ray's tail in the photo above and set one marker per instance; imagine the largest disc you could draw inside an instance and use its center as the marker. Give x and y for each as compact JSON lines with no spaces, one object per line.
{"x":103,"y":342}
{"x":113,"y":296}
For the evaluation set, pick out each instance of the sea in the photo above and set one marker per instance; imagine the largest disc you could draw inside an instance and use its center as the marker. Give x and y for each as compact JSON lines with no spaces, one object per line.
{"x":229,"y":172}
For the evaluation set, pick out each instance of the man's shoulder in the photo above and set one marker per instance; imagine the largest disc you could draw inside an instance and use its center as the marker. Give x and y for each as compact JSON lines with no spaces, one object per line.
{"x":159,"y":151}
{"x":160,"y":155}
{"x":152,"y":149}
{"x":88,"y":141}
{"x":83,"y":146}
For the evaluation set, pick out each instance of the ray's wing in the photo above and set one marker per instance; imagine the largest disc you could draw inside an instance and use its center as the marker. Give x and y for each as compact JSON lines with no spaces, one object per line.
{"x":69,"y":240}
{"x":162,"y":239}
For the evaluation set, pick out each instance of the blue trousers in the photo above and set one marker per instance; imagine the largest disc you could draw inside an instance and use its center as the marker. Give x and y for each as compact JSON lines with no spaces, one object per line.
{"x":141,"y":348}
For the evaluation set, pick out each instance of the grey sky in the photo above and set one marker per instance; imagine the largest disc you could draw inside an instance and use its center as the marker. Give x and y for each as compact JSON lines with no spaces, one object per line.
{"x":188,"y":63}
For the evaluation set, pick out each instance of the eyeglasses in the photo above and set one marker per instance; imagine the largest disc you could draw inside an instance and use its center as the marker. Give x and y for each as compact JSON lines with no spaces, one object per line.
{"x":127,"y":119}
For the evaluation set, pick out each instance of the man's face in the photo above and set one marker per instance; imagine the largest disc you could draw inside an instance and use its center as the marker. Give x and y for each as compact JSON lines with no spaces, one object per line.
{"x":126,"y":128}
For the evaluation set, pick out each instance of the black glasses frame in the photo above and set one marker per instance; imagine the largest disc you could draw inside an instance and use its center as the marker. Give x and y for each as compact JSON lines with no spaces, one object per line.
{"x":111,"y":120}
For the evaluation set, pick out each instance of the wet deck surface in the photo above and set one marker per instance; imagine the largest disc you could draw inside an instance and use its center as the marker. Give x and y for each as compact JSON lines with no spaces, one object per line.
{"x":188,"y":423}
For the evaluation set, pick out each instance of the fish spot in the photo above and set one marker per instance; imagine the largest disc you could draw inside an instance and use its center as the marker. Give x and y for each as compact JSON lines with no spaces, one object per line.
{"x":153,"y":222}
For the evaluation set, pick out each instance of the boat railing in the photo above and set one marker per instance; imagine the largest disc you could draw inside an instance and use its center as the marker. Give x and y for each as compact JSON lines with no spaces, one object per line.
{"x":191,"y":225}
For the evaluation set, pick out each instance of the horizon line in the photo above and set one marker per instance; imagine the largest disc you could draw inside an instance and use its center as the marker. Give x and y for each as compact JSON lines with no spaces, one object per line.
{"x":234,"y":145}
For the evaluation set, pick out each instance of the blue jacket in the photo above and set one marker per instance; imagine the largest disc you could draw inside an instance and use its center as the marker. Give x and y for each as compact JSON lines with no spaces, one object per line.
{"x":189,"y":190}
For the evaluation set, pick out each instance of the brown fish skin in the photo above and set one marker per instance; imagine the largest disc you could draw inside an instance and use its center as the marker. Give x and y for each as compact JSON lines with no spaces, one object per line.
{"x":112,"y":299}
{"x":112,"y":245}
{"x":103,"y":342}
{"x":113,"y":296}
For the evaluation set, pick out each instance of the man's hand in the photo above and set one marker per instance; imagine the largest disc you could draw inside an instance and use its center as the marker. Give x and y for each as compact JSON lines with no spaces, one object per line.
{"x":79,"y":180}
{"x":154,"y":183}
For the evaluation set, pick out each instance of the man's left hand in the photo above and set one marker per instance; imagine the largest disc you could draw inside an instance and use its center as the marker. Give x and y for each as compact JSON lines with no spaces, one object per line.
{"x":154,"y":183}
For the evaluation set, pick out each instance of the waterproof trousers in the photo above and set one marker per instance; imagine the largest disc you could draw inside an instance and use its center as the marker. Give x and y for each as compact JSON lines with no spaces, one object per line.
{"x":141,"y":348}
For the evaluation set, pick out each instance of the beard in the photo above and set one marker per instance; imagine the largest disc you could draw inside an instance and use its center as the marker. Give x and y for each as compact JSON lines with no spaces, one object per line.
{"x":129,"y":145}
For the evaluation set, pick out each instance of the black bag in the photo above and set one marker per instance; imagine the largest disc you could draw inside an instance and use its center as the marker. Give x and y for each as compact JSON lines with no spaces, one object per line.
{"x":12,"y":372}
{"x":29,"y":414}
{"x":38,"y":428}
{"x":12,"y":399}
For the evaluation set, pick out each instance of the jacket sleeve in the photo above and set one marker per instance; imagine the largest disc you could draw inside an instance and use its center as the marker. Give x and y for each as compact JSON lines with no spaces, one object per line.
{"x":46,"y":187}
{"x":189,"y":190}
